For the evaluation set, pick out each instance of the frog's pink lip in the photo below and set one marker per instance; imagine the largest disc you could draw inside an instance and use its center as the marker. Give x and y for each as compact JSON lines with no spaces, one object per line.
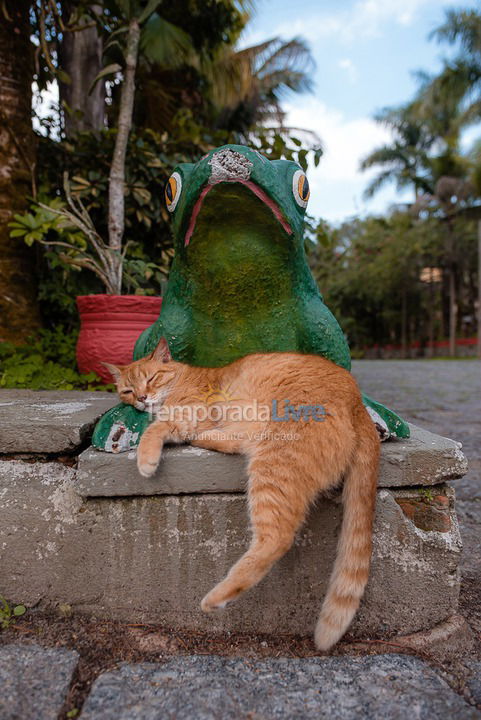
{"x":255,"y":189}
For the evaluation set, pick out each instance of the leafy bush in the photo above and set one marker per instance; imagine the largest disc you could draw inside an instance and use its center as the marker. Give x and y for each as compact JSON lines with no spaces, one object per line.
{"x":46,"y":362}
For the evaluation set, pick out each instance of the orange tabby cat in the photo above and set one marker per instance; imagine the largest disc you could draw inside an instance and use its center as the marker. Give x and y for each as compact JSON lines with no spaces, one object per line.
{"x":290,"y":462}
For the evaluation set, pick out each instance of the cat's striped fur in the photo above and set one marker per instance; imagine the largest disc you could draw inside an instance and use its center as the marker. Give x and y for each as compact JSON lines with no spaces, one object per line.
{"x":285,"y":477}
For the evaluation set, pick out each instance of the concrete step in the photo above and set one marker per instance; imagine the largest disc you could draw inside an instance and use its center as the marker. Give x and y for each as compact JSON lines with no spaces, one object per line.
{"x":110,"y":543}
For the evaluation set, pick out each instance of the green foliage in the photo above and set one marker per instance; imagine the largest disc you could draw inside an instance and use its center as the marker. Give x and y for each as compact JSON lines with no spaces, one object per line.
{"x":37,"y":225}
{"x":369,"y":270}
{"x":46,"y":362}
{"x":150,"y":160}
{"x":8,"y":613}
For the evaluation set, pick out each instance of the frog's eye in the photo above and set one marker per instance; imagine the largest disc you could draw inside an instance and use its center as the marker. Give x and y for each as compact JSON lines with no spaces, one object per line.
{"x":172,"y":191}
{"x":300,"y":188}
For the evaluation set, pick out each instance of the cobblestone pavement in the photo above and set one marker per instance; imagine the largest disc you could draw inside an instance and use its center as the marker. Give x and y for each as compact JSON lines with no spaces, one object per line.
{"x":207,"y":688}
{"x":34,"y":683}
{"x":444,"y":396}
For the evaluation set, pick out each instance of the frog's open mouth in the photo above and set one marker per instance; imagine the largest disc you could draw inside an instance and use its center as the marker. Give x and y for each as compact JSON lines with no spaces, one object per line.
{"x":258,"y":191}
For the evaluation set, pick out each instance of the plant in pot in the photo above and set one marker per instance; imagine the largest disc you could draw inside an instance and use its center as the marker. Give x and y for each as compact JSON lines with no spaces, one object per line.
{"x":111,"y":322}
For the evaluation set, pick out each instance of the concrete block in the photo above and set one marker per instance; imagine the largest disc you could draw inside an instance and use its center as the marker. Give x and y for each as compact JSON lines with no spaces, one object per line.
{"x":152,"y":558}
{"x":423,"y":459}
{"x":49,"y":422}
{"x":184,"y":469}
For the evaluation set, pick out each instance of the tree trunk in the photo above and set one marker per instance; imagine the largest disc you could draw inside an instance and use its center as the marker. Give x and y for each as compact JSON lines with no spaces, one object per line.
{"x":81,"y":58}
{"x":117,"y":169}
{"x":431,"y":316}
{"x":453,"y":311}
{"x":404,"y":343}
{"x":18,"y":306}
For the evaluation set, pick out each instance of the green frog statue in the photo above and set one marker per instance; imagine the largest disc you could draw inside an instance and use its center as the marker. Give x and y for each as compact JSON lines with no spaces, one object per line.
{"x":239,"y":282}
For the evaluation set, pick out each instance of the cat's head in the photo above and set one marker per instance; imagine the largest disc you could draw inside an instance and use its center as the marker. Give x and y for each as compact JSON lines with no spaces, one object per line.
{"x":145,"y":383}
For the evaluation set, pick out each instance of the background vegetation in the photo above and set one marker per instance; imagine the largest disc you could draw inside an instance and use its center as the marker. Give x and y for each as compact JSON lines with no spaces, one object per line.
{"x":407,"y":277}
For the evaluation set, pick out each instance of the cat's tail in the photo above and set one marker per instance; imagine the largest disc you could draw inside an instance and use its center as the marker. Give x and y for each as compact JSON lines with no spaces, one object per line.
{"x":351,"y":568}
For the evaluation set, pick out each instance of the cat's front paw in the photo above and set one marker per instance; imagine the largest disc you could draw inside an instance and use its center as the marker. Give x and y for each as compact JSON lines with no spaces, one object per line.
{"x":219,"y":596}
{"x":208,"y":604}
{"x":146,"y":464}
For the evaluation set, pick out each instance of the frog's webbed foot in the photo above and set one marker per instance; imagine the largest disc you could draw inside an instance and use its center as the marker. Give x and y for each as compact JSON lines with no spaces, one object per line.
{"x":387,"y":423}
{"x":120,"y":429}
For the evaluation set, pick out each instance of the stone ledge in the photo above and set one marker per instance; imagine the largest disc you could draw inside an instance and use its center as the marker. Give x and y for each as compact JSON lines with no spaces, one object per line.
{"x":50,"y":421}
{"x":152,"y":559}
{"x":424,"y":459}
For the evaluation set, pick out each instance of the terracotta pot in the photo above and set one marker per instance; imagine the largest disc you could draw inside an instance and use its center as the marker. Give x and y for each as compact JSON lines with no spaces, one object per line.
{"x":109,"y":328}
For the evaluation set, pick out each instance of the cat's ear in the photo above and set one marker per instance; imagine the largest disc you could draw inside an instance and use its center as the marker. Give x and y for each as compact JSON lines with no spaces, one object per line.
{"x":114,"y":370}
{"x":161,"y":352}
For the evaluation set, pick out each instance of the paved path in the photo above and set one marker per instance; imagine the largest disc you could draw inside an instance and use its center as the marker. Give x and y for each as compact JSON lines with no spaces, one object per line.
{"x":443,"y":396}
{"x":34,"y":684}
{"x":210,"y":688}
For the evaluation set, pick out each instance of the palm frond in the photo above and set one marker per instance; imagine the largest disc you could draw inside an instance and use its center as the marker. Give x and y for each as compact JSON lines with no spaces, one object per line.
{"x":165,"y":44}
{"x":463,"y":26}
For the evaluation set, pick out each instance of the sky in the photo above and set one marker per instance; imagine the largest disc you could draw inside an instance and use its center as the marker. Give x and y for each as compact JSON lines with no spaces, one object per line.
{"x":366,"y":52}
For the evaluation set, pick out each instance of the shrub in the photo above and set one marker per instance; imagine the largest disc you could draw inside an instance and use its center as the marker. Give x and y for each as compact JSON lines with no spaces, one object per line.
{"x":46,"y":362}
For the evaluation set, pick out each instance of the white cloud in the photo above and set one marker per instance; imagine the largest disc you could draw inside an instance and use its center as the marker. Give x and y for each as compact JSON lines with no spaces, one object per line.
{"x":365,"y":18}
{"x":337,"y":184}
{"x":351,"y":70}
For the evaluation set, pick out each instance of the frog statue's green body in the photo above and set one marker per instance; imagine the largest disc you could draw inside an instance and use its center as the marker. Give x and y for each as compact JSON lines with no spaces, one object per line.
{"x":239,"y":282}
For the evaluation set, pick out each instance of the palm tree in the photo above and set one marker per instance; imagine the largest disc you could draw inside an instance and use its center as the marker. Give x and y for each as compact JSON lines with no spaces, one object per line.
{"x":461,"y":77}
{"x":458,"y":88}
{"x":247,"y":86}
{"x":18,"y":309}
{"x":405,"y":160}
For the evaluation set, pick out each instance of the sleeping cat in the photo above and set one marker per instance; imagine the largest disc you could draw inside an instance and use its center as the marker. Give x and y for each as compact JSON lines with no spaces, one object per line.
{"x":291,"y":461}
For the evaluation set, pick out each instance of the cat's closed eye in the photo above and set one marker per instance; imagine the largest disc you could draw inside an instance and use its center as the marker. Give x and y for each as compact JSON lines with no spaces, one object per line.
{"x":126,"y":392}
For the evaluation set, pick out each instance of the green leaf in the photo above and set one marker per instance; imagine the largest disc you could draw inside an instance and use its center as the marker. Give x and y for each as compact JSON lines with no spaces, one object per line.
{"x":64,"y":77}
{"x":142,"y":195}
{"x":19,"y":610}
{"x":81,"y":181}
{"x":105,"y":72}
{"x":151,"y":6}
{"x":165,"y":43}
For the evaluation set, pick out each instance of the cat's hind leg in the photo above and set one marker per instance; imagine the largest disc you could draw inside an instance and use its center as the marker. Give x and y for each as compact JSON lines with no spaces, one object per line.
{"x":278,"y":504}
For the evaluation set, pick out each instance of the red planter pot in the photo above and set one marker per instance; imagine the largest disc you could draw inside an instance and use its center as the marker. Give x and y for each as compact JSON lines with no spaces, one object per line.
{"x":109,"y":328}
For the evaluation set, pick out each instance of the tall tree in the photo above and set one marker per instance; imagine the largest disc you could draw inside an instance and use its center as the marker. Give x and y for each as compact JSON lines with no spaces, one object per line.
{"x":247,"y":86}
{"x":80,"y":58}
{"x":18,"y":308}
{"x":461,"y":77}
{"x":405,"y":159}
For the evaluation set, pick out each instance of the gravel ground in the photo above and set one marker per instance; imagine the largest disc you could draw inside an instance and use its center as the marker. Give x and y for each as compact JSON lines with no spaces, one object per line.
{"x":444,"y":396}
